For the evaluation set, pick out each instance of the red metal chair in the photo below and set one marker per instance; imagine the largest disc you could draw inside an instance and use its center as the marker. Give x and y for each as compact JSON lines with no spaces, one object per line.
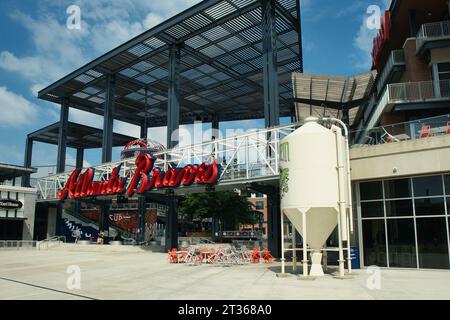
{"x":173,"y":256}
{"x":256,"y":256}
{"x":268,"y":258}
{"x":425,"y":132}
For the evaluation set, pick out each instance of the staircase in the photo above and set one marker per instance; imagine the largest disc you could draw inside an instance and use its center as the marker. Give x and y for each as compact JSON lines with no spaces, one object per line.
{"x":69,"y":226}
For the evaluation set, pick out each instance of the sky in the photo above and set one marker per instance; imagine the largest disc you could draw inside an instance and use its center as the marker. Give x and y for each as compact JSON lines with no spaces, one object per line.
{"x":37,"y":49}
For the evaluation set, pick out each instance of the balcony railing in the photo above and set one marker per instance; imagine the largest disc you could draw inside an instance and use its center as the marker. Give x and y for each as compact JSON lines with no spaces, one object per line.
{"x":396,"y":58}
{"x":413,"y":130}
{"x":433,"y":31}
{"x":419,"y":91}
{"x":408,"y":92}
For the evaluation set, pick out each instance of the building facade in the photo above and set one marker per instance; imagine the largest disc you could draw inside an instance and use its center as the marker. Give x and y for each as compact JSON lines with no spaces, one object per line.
{"x":401,"y":151}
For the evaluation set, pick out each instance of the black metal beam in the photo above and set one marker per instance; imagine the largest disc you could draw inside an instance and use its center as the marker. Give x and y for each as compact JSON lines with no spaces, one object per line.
{"x":108,"y":120}
{"x":172,"y":220}
{"x":130,"y":44}
{"x":27,"y":161}
{"x":140,"y":237}
{"x":80,"y":158}
{"x":300,"y":40}
{"x":173,"y":112}
{"x":271,"y":96}
{"x":62,"y":138}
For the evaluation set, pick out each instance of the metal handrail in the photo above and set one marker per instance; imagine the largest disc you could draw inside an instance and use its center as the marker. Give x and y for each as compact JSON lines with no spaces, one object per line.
{"x":17,"y":244}
{"x":432,"y":31}
{"x":57,"y":239}
{"x":250,"y":155}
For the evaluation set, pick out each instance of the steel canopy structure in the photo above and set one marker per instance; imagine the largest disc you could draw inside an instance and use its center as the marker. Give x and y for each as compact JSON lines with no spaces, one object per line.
{"x":220,"y":60}
{"x":340,"y":97}
{"x":78,"y":136}
{"x":212,"y":58}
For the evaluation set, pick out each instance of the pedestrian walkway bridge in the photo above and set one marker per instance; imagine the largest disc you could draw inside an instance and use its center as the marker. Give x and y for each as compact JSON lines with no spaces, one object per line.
{"x":246,"y":158}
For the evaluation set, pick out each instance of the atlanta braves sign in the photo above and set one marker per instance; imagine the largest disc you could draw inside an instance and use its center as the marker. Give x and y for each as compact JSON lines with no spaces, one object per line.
{"x":145,"y":178}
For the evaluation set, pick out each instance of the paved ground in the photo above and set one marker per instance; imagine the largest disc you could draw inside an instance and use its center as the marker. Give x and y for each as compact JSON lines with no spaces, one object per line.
{"x":147,"y":275}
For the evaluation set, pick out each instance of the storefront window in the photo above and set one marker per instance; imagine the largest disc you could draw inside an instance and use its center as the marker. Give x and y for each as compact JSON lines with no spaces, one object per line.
{"x":397,"y":188}
{"x":372,"y":209}
{"x":402,"y":244}
{"x":415,"y":225}
{"x":371,"y":190}
{"x":399,"y":208}
{"x":432,"y":243}
{"x":428,"y":186}
{"x":429,"y":206}
{"x":374,"y":240}
{"x":447,"y":184}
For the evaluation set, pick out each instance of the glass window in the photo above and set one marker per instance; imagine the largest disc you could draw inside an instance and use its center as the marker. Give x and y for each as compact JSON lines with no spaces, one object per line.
{"x":397,"y":188}
{"x":429,"y":206}
{"x":399,"y":208}
{"x":402,"y":243}
{"x":371,"y":190}
{"x":372,"y":209}
{"x":428,"y":186}
{"x":432,"y":243}
{"x":444,"y":67}
{"x":259,"y":205}
{"x":374,"y":243}
{"x":447,"y":184}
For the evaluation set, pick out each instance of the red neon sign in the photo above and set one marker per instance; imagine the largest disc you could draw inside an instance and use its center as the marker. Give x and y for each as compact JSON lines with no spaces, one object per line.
{"x":383,"y":36}
{"x":145,"y":178}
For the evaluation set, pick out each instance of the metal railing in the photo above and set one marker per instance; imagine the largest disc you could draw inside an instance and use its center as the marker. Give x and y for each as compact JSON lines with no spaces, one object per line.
{"x":396,"y":58}
{"x":243,"y":158}
{"x":409,"y":92}
{"x":18,"y":244}
{"x":412,"y":130}
{"x":50,"y":242}
{"x":432,"y":31}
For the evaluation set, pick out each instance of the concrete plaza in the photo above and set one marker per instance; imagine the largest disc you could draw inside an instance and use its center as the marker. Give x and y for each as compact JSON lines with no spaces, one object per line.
{"x":140,"y":274}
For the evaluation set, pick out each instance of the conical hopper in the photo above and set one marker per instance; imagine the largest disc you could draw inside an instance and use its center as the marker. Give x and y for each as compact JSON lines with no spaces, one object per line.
{"x":320,"y":223}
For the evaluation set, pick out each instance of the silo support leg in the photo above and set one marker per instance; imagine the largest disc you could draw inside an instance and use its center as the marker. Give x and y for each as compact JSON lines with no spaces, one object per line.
{"x":283,"y":259}
{"x":294,"y":252}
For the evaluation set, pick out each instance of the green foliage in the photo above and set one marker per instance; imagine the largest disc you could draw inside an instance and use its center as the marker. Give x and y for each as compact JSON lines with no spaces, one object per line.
{"x":228,"y":206}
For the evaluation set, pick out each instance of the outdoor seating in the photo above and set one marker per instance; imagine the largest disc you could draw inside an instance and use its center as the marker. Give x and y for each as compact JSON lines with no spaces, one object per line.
{"x":267,"y":256}
{"x":425,"y":132}
{"x":224,"y":256}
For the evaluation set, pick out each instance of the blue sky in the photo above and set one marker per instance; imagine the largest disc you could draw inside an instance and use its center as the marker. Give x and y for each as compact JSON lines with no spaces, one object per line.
{"x":37,"y":49}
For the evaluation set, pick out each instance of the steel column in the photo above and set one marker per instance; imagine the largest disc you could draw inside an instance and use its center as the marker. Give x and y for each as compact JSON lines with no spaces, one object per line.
{"x":104,"y":219}
{"x":300,"y":40}
{"x":274,"y":233}
{"x":271,"y":96}
{"x":273,"y":221}
{"x":173,"y":112}
{"x":171,"y":221}
{"x":79,"y":165}
{"x":62,"y":137}
{"x":144,"y":129}
{"x":80,"y":158}
{"x":108,"y":120}
{"x":140,"y":237}
{"x":58,"y":225}
{"x":27,"y":161}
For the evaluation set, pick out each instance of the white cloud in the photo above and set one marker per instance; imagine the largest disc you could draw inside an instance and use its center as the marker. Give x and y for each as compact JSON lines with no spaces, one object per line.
{"x":86,"y":118}
{"x":152,"y":20}
{"x":363,"y":41}
{"x":15,"y":109}
{"x":105,"y":25}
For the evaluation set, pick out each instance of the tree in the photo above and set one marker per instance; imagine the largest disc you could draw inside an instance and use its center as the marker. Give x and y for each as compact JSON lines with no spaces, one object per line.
{"x":229,"y":207}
